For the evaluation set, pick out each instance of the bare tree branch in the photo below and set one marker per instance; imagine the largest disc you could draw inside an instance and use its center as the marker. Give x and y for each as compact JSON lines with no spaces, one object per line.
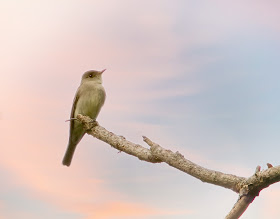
{"x":240,"y":207}
{"x":178,"y":161}
{"x":247,"y":188}
{"x":118,"y":142}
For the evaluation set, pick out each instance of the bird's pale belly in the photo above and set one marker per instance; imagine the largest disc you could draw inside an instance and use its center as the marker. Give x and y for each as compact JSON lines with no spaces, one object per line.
{"x":89,"y":105}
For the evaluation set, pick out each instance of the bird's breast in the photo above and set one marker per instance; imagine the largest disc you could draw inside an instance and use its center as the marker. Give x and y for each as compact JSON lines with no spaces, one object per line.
{"x":90,"y":102}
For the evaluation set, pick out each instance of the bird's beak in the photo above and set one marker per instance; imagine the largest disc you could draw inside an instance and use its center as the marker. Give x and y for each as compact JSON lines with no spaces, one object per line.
{"x":103,"y":71}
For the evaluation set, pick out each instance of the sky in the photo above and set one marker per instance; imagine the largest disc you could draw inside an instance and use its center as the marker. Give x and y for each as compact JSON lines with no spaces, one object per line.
{"x":198,"y":77}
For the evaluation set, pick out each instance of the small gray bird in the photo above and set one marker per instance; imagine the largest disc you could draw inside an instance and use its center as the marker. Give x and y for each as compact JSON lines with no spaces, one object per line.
{"x":88,"y":101}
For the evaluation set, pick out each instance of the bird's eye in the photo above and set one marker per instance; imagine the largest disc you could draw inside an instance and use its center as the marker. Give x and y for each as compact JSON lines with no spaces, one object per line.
{"x":90,"y":75}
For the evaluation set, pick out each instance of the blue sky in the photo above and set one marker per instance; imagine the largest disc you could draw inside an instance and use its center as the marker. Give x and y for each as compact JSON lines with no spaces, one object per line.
{"x":199,"y":77}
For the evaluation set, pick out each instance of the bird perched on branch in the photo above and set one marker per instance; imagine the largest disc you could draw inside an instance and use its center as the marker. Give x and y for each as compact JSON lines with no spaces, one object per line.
{"x":88,"y":101}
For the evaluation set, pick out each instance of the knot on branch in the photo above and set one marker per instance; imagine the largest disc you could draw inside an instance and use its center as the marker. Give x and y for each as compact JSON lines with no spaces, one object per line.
{"x":249,"y":190}
{"x":254,"y":184}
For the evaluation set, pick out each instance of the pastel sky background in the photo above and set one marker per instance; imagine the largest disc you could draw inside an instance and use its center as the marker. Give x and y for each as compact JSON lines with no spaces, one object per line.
{"x":199,"y":77}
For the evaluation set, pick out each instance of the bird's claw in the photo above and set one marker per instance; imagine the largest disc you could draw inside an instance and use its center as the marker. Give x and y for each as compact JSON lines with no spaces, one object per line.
{"x":68,"y":120}
{"x":94,"y":123}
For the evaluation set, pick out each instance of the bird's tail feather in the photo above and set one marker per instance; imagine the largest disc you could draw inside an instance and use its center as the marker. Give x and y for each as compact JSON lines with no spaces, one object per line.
{"x":69,"y":155}
{"x":71,"y":149}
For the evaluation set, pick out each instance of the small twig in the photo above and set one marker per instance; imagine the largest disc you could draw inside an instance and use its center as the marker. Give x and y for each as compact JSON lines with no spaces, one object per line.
{"x":269,"y":165}
{"x":258,"y":169}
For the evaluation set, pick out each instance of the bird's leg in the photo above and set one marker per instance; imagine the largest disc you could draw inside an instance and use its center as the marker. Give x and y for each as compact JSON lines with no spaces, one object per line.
{"x":68,"y":120}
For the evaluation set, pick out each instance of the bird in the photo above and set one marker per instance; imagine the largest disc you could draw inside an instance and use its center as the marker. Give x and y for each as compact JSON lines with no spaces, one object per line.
{"x":88,"y":101}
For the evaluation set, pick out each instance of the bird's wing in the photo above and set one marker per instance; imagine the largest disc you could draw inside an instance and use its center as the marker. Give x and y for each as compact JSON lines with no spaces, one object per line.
{"x":76,"y":133}
{"x":75,"y":101}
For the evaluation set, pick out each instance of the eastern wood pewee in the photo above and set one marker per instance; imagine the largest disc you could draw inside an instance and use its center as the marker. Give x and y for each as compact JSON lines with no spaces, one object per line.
{"x":88,"y":101}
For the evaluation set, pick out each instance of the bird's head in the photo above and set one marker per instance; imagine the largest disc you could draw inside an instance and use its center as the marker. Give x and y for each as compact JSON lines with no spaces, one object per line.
{"x":92,"y":75}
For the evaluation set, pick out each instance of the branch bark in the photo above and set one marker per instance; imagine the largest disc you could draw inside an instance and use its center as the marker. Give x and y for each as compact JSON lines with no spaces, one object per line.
{"x":240,"y":207}
{"x":247,"y":188}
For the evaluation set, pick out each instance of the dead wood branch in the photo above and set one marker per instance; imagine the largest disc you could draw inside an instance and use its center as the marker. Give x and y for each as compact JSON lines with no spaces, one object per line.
{"x":247,"y":188}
